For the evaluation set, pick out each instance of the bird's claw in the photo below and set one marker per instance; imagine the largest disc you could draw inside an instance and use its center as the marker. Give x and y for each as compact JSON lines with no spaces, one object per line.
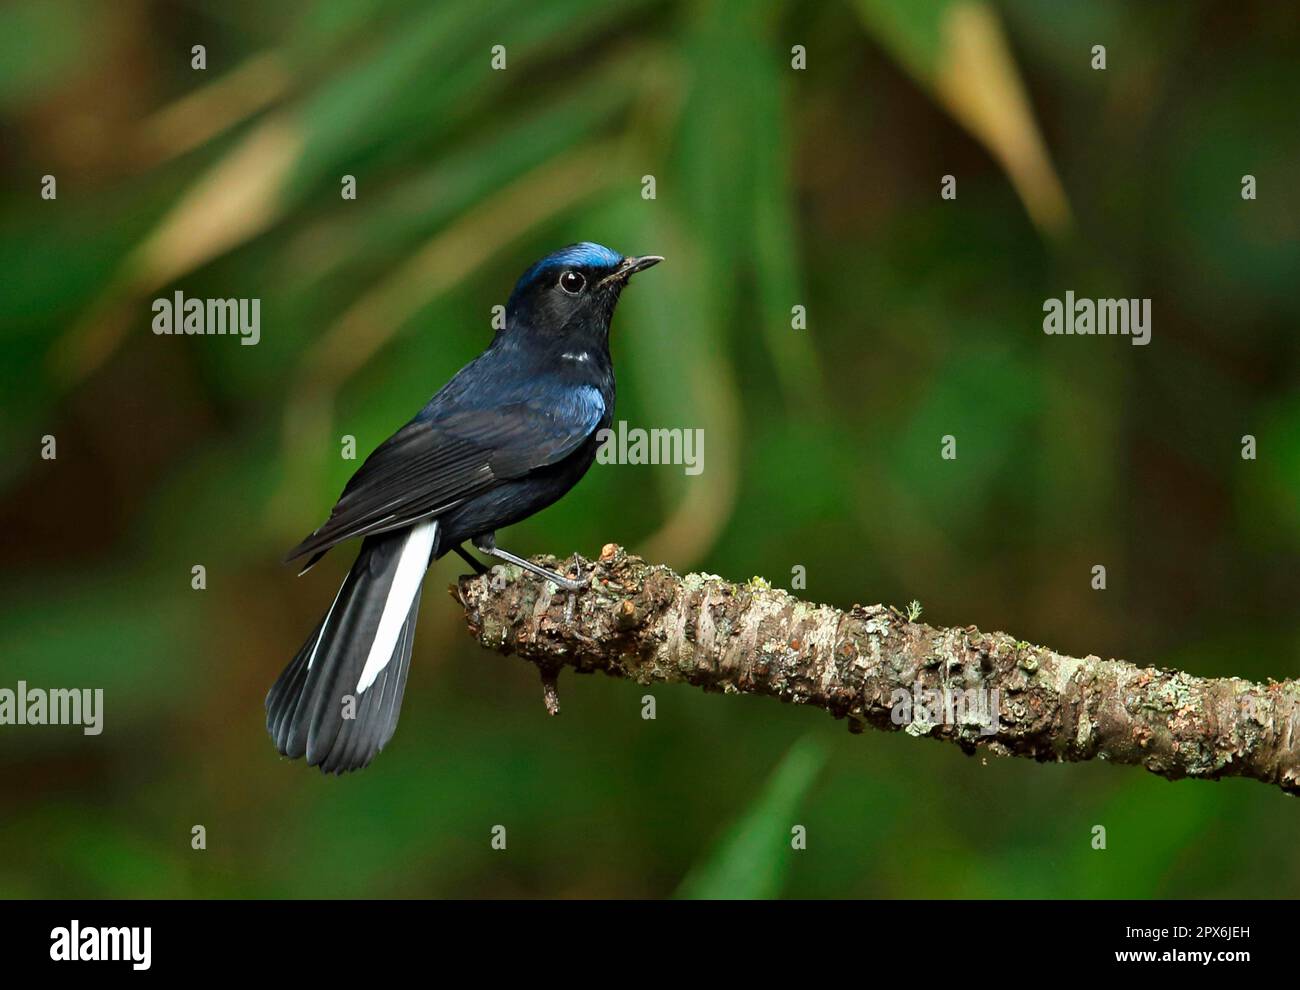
{"x":570,"y":584}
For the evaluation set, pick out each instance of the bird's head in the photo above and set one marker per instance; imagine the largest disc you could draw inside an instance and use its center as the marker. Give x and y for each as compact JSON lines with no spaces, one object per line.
{"x":573,"y":289}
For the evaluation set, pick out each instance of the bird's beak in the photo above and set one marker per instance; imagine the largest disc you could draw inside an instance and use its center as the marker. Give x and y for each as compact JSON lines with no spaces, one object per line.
{"x":630,"y":266}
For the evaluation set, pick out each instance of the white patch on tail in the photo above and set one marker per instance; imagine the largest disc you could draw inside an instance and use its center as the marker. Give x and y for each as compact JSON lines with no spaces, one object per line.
{"x":323,"y":626}
{"x":411,"y":565}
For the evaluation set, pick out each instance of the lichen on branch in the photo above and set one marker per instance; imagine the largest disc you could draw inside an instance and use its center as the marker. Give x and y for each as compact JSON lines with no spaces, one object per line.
{"x":876,"y":666}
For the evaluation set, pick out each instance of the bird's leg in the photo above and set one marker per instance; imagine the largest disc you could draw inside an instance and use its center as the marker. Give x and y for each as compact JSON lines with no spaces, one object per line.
{"x":488,"y":544}
{"x":473,"y":562}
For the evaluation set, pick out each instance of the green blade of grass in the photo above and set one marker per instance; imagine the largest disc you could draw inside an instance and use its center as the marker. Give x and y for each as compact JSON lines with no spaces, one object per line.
{"x":752,"y":860}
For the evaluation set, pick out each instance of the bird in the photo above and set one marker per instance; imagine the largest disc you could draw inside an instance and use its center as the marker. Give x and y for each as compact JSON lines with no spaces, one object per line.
{"x":507,"y":436}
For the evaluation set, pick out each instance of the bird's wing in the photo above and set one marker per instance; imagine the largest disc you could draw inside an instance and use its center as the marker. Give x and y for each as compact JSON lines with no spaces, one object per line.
{"x":435,"y":463}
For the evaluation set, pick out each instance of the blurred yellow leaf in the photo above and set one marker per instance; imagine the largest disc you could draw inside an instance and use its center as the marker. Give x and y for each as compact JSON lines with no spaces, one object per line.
{"x":958,"y":50}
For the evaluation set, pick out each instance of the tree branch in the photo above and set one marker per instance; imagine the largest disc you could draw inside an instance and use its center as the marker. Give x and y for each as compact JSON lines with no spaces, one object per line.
{"x":874,"y":666}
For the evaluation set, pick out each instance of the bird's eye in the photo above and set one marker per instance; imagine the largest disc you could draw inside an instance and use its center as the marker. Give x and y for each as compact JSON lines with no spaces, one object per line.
{"x":572,"y":282}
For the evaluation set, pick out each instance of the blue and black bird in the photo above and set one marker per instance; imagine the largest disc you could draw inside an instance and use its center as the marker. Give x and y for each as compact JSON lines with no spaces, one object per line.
{"x":508,"y":435}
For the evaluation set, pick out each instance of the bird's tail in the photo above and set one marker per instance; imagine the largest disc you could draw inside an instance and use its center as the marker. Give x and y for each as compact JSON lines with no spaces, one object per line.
{"x":337,"y":702}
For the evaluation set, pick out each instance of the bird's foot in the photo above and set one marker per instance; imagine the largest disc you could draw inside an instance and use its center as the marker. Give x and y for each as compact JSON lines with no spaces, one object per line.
{"x":487,"y":544}
{"x":571,"y":584}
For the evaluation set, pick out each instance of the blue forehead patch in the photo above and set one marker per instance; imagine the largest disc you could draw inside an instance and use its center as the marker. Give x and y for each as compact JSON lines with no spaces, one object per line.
{"x":586,"y":253}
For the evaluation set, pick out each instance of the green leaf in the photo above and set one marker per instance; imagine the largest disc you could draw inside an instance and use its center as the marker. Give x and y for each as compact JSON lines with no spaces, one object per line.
{"x":754,"y":856}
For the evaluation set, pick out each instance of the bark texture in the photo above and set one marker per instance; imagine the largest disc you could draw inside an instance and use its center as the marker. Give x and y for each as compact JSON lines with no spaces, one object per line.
{"x":875,"y":666}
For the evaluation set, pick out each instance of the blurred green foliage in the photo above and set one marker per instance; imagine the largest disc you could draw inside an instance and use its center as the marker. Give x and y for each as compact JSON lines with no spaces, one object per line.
{"x":775,"y":187}
{"x":753,"y":859}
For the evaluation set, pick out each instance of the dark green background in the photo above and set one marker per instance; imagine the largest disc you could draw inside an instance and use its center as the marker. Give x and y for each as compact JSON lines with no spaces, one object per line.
{"x":775,"y":187}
